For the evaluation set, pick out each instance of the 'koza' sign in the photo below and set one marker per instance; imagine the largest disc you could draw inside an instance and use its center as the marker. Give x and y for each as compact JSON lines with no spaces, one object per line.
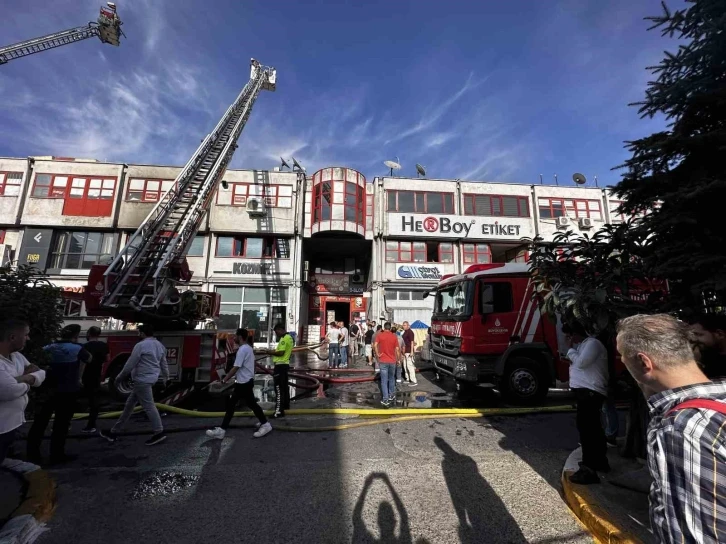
{"x":456,"y":227}
{"x":407,"y":272}
{"x":251,"y":268}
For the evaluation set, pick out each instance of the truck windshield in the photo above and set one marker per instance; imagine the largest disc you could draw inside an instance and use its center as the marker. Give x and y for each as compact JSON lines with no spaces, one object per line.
{"x":453,"y":300}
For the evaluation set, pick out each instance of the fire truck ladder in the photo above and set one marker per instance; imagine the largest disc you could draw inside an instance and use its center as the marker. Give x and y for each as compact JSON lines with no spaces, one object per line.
{"x":107,"y":29}
{"x":144,"y":274}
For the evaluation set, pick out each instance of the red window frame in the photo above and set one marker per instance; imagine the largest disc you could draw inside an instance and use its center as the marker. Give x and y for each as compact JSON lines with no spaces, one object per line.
{"x":2,"y":237}
{"x":449,"y":253}
{"x":239,"y":248}
{"x":55,"y":189}
{"x":403,"y":248}
{"x":569,"y":207}
{"x":615,"y":217}
{"x":470,"y":201}
{"x":447,"y":201}
{"x":146,"y":193}
{"x":4,"y":182}
{"x":241,"y":194}
{"x":472,"y":252}
{"x":96,"y":198}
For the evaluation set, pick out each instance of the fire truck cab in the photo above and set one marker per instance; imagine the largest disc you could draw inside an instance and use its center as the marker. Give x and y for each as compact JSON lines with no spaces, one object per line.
{"x":487,"y":329}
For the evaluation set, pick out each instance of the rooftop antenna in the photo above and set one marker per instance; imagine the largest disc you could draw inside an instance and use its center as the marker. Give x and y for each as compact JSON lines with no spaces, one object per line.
{"x":540,"y":179}
{"x":284,"y":164}
{"x":420,"y":170}
{"x":295,"y":165}
{"x":579,"y":178}
{"x":556,"y":182}
{"x":596,"y":185}
{"x":393,"y":165}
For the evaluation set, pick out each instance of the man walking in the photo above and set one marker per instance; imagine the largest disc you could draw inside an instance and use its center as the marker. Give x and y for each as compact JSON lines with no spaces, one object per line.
{"x":409,"y":345}
{"x":145,"y":365}
{"x":281,"y":360}
{"x":333,"y":339}
{"x":388,"y":353}
{"x":344,"y":343}
{"x":243,"y":373}
{"x":92,"y":375}
{"x":589,"y":382}
{"x":17,"y":376}
{"x":67,"y":362}
{"x":369,"y":344}
{"x":686,"y":442}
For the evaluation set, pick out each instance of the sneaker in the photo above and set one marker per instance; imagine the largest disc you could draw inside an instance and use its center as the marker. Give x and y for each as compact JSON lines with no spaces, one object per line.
{"x":413,"y":384}
{"x":585,"y":476}
{"x":108,"y":435}
{"x":385,"y":403}
{"x":218,"y":433}
{"x":155,"y":439}
{"x":88,"y":430}
{"x":258,"y":425}
{"x":399,"y":380}
{"x":263,"y":430}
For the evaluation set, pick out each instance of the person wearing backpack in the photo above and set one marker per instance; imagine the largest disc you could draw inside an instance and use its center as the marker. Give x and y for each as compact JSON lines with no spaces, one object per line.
{"x":686,"y":438}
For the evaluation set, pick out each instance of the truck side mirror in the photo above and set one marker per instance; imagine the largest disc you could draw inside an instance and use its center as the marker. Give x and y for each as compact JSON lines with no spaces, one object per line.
{"x":487,"y":309}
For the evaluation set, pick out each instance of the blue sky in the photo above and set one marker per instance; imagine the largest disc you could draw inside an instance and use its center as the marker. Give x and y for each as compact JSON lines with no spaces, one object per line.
{"x":478,"y":90}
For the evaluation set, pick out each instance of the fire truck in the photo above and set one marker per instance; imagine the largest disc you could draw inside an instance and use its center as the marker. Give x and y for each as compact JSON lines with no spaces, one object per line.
{"x":487,"y":329}
{"x":147,"y":282}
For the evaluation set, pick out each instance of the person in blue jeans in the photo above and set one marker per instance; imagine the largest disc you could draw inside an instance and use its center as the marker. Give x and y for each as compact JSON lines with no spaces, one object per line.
{"x":333,"y":340}
{"x":344,"y":342}
{"x":388,"y":352}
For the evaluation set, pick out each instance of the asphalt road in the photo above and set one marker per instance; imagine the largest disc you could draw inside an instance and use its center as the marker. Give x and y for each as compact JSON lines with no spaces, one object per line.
{"x":430,"y":481}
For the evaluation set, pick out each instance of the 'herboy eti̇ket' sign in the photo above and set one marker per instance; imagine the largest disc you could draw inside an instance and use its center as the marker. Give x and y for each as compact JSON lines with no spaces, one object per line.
{"x":456,"y":226}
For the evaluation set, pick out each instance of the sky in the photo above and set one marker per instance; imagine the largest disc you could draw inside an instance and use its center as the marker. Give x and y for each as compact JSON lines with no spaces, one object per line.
{"x":477,"y":90}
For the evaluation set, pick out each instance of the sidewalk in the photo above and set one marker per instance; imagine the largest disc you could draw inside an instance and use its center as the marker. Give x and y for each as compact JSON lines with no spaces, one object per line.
{"x":612,"y":513}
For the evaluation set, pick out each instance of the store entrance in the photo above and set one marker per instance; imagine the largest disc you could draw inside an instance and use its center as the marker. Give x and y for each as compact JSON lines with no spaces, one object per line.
{"x":337,"y":311}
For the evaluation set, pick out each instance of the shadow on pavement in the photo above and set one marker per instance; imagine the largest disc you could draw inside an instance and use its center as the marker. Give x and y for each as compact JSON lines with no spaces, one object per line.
{"x":386,"y":516}
{"x":483,"y":517}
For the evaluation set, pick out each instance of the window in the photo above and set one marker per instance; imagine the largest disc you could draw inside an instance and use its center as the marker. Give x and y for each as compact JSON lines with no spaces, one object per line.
{"x":496,"y":205}
{"x":147,"y":190}
{"x":498,"y":295}
{"x":551,"y":208}
{"x":477,"y":253}
{"x":49,"y":186}
{"x":516,"y":255}
{"x":88,"y":197}
{"x":419,"y":252}
{"x":252,"y":248}
{"x":10,"y":183}
{"x":348,"y":198}
{"x":72,"y":307}
{"x":615,"y":215}
{"x":322,"y":202}
{"x":255,"y":308}
{"x":238,"y":194}
{"x":197,"y":247}
{"x":420,"y":202}
{"x":80,"y":250}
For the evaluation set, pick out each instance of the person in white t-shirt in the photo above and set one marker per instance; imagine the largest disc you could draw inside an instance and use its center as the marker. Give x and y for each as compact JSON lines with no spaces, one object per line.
{"x":344,"y":343}
{"x":17,"y":376}
{"x":589,"y":381}
{"x":243,"y":373}
{"x":333,"y":340}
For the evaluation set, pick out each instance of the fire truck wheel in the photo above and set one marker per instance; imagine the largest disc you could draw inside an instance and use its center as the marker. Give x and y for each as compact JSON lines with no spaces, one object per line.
{"x":523,"y":381}
{"x":119,"y":390}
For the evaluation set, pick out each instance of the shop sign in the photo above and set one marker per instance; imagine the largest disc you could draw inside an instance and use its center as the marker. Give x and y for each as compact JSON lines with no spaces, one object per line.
{"x":252,"y":268}
{"x":416,"y":272}
{"x":35,"y":247}
{"x":332,"y":283}
{"x":454,"y":226}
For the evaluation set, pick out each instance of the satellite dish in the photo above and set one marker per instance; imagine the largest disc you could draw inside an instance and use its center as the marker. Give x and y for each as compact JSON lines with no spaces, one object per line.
{"x":283,"y":163}
{"x":421,"y":170}
{"x":579,"y":178}
{"x":393,"y":165}
{"x":296,"y":164}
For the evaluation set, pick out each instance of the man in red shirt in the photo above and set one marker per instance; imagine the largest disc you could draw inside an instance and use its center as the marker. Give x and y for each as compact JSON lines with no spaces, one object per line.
{"x":409,"y":346}
{"x":388,"y":353}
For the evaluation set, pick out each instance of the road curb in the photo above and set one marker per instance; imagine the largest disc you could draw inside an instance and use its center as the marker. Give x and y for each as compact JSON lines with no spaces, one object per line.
{"x":28,"y":520}
{"x":593,"y":516}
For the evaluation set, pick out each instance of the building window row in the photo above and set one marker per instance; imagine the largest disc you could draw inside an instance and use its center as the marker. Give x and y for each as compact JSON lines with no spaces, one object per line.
{"x":551,"y":208}
{"x":238,"y":194}
{"x":10,"y":183}
{"x":148,"y":190}
{"x":404,"y":294}
{"x":420,"y":202}
{"x":252,"y":248}
{"x":419,"y":252}
{"x":350,"y":196}
{"x":496,"y":205}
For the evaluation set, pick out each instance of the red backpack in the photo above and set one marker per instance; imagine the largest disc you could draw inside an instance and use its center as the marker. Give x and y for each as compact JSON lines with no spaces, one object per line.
{"x":706,"y":404}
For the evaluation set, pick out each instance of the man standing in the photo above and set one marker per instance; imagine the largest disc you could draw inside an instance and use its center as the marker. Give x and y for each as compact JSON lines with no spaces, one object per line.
{"x":369,"y":344}
{"x":589,"y":382}
{"x":686,"y":443}
{"x":709,"y":331}
{"x":408,"y":352}
{"x":67,"y":361}
{"x":399,"y":363}
{"x":92,"y":375}
{"x":354,"y":336}
{"x":145,"y":365}
{"x":344,"y":343}
{"x":281,"y":360}
{"x":243,"y":372}
{"x":333,"y":339}
{"x":375,"y":355}
{"x":17,"y":376}
{"x":388,"y":353}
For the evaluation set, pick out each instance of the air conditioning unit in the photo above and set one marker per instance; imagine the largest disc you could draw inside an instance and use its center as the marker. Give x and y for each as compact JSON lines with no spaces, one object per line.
{"x":256,"y":208}
{"x":357,"y":278}
{"x":562,"y":222}
{"x":585,"y":223}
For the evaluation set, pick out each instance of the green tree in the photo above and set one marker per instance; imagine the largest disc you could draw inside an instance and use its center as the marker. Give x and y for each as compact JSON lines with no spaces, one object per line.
{"x":26,"y":293}
{"x":677,"y":177}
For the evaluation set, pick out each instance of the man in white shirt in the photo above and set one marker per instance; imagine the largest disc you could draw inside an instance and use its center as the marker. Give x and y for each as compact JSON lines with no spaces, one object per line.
{"x":333,"y":339}
{"x":589,"y":381}
{"x":243,"y":372}
{"x":17,"y":376}
{"x":344,"y":342}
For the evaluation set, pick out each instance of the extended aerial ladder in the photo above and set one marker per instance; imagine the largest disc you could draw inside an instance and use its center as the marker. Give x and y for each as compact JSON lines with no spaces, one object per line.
{"x":142,"y":281}
{"x":107,"y":29}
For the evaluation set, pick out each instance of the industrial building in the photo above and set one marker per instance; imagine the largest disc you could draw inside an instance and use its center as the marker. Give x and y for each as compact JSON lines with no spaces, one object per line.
{"x":331,"y":245}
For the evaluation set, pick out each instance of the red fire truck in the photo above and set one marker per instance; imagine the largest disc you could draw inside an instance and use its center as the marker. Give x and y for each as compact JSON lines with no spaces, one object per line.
{"x":486,"y":328}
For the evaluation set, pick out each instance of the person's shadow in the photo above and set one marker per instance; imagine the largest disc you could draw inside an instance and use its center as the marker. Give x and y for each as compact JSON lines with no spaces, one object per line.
{"x":483,"y":517}
{"x":386,"y":517}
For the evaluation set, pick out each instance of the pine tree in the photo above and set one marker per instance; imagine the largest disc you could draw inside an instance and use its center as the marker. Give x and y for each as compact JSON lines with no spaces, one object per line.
{"x":677,"y":177}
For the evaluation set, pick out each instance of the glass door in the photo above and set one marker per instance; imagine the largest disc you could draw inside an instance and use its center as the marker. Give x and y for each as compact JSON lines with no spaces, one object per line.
{"x":256,"y":317}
